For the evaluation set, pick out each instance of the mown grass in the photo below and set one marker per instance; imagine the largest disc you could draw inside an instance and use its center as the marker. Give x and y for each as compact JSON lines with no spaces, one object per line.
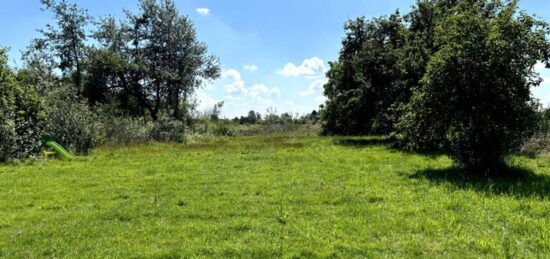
{"x":270,"y":197}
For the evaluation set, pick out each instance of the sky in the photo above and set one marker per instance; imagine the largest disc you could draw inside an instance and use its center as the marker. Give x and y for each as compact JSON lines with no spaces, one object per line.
{"x":273,"y":53}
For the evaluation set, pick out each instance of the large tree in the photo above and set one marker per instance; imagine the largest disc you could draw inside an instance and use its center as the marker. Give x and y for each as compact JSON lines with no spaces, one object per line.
{"x":362,"y":90}
{"x":151,"y":61}
{"x":474,"y":99}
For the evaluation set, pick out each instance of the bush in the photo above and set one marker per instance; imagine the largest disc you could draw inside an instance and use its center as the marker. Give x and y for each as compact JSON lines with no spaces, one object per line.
{"x":537,"y":145}
{"x":22,"y":116}
{"x":71,"y":122}
{"x":166,"y":129}
{"x":222,"y":129}
{"x":124,"y":131}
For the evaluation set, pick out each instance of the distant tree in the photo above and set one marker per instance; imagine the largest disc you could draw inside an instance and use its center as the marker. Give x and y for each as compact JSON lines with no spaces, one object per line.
{"x":215,"y":116}
{"x":474,"y":99}
{"x":251,"y":118}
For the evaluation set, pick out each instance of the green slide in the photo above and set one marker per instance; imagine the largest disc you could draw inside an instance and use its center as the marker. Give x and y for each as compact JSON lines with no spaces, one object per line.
{"x":48,"y":140}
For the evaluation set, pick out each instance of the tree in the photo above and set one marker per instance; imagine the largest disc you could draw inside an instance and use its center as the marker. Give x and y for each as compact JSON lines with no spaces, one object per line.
{"x":362,"y":90}
{"x":65,"y":41}
{"x":156,"y":60}
{"x":474,"y":99}
{"x":251,"y":118}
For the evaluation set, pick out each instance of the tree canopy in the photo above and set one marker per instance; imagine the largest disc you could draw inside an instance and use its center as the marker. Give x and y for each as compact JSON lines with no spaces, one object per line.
{"x":453,"y":75}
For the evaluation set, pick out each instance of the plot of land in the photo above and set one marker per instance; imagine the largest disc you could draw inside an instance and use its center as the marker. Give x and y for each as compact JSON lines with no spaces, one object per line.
{"x":270,"y":197}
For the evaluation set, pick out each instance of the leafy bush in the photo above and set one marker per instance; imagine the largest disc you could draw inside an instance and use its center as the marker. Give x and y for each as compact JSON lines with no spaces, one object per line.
{"x":22,"y":116}
{"x":72,"y":123}
{"x":166,"y":129}
{"x":222,"y":129}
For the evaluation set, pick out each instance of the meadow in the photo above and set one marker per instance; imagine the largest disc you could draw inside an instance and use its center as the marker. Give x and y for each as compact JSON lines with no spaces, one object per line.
{"x":271,"y":196}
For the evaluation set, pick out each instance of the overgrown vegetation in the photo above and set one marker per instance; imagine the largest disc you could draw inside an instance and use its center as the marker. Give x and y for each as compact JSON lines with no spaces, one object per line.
{"x":451,"y":75}
{"x":99,"y":76}
{"x":22,"y":116}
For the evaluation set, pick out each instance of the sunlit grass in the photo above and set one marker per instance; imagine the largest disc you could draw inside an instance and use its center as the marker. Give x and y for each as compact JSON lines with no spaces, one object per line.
{"x":269,"y":197}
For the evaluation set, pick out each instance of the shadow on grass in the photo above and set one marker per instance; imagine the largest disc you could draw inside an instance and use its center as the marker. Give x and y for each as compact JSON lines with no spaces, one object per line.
{"x":518,"y":182}
{"x":363,"y":142}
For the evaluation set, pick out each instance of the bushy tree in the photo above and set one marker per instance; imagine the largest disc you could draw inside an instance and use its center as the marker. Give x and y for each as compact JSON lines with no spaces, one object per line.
{"x":22,"y":116}
{"x":362,"y":90}
{"x":474,"y":99}
{"x":152,"y":61}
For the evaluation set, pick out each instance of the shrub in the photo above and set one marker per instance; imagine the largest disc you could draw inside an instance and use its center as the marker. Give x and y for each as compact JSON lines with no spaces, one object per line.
{"x":71,"y":121}
{"x":166,"y":129}
{"x":222,"y":129}
{"x":22,"y":116}
{"x":124,"y":131}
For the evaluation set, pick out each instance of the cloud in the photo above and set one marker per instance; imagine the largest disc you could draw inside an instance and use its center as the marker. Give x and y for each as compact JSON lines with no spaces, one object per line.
{"x":237,"y":84}
{"x":320,"y":99}
{"x":251,"y":68}
{"x":311,"y":67}
{"x":314,"y":87}
{"x":257,"y":89}
{"x":240,"y":94}
{"x":203,"y":11}
{"x":206,"y":101}
{"x":275,"y":91}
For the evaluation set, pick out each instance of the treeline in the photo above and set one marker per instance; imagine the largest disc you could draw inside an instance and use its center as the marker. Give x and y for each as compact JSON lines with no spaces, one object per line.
{"x":88,"y":80}
{"x":448,"y":75}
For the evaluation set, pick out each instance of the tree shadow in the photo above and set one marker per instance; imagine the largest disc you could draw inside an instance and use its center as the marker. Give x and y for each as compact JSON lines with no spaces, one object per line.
{"x":388,"y":142}
{"x":518,"y":182}
{"x":363,"y":142}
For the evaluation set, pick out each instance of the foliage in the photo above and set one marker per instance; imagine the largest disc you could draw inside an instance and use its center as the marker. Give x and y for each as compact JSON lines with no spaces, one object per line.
{"x":222,"y":128}
{"x":362,"y":90}
{"x":65,"y":41}
{"x":451,"y":75}
{"x":167,"y":129}
{"x":151,"y":62}
{"x":475,"y":97}
{"x":73,"y":124}
{"x":22,"y":116}
{"x":125,"y":131}
{"x":266,"y":197}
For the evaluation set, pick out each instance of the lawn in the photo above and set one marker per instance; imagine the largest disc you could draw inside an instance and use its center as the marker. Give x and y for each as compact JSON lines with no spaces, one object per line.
{"x":270,"y":197}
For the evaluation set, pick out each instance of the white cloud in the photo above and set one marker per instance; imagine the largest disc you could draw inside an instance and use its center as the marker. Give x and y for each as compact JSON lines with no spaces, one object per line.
{"x":251,"y":68}
{"x":203,"y":11}
{"x":314,"y":87}
{"x":320,"y":99}
{"x":275,"y":91}
{"x":540,"y":66}
{"x":237,"y":84}
{"x":257,"y":89}
{"x":311,"y":67}
{"x":240,"y":95}
{"x":205,"y":100}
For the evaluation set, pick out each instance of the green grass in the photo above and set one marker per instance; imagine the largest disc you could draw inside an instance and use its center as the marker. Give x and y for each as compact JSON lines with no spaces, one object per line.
{"x":269,"y":197}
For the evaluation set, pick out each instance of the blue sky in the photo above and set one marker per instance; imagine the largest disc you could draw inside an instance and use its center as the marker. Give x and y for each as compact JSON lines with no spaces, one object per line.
{"x":273,"y":53}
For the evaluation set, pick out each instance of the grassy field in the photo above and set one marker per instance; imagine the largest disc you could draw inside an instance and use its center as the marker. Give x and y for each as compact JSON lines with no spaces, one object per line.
{"x":270,"y":197}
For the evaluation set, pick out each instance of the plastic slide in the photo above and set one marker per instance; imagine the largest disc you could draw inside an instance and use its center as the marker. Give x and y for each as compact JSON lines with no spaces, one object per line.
{"x":47,"y":140}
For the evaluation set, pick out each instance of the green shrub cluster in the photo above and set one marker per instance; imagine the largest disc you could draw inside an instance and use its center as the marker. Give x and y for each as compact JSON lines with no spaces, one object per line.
{"x":22,"y":116}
